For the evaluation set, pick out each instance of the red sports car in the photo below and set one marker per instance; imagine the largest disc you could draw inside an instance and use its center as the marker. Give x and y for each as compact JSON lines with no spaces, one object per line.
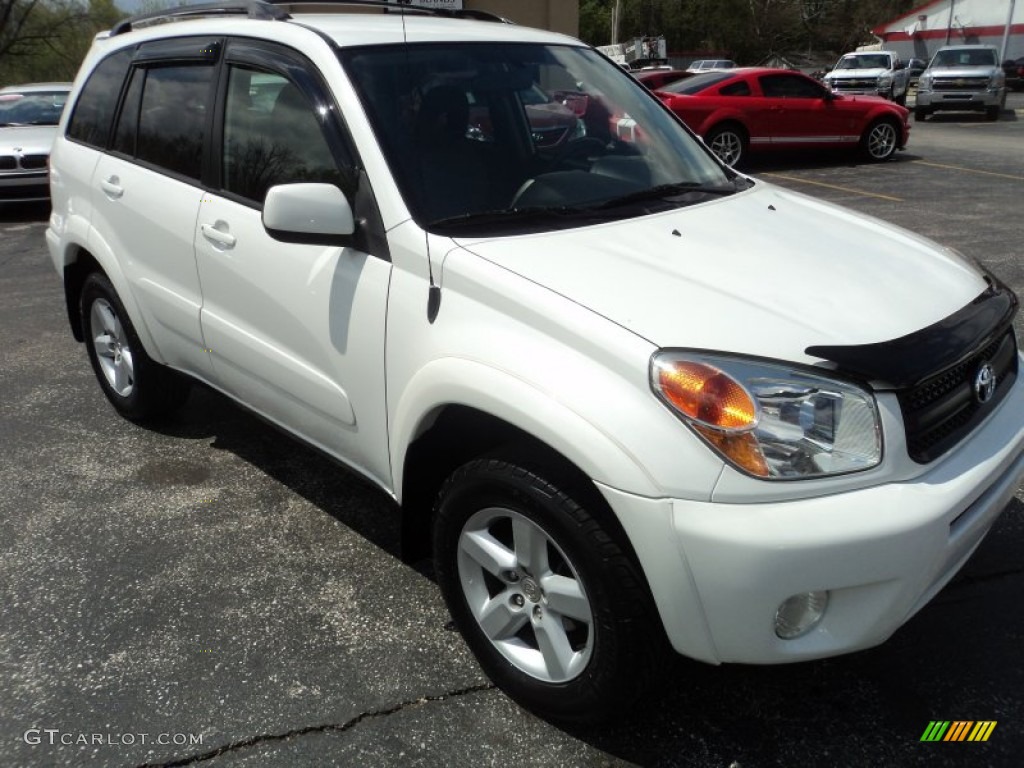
{"x":751,"y":110}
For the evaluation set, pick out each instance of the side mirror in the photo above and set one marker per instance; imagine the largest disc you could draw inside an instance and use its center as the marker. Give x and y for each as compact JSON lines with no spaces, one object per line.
{"x":317,"y":214}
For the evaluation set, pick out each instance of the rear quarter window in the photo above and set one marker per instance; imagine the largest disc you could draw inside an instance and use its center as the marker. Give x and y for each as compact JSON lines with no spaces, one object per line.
{"x":94,"y":110}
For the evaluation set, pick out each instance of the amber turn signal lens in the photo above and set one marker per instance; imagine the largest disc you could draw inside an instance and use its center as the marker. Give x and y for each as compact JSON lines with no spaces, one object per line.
{"x":708,"y":395}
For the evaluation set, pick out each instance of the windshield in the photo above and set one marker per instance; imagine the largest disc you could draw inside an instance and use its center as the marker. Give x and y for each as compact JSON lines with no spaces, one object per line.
{"x":525,"y":136}
{"x":875,"y":61}
{"x":35,"y":108}
{"x":965,"y":57}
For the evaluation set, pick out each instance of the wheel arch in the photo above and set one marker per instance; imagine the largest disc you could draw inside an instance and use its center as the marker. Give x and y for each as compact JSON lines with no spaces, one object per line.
{"x":457,"y":410}
{"x":78,"y":263}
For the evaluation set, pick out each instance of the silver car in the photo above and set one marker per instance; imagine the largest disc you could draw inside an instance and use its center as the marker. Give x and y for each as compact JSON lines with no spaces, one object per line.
{"x":28,"y":124}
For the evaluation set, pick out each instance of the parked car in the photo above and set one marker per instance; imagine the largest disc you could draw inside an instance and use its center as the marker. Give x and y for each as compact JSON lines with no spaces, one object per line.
{"x":706,"y":65}
{"x":658,"y":78}
{"x":870,"y":73}
{"x":1013,"y":71}
{"x":623,"y":394}
{"x":28,"y":123}
{"x":915,"y":67}
{"x":962,"y":77}
{"x":756,"y":109}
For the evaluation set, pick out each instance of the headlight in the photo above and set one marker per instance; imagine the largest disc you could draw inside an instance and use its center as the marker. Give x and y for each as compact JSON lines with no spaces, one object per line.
{"x":924,"y":82}
{"x":771,"y":420}
{"x":884,"y":81}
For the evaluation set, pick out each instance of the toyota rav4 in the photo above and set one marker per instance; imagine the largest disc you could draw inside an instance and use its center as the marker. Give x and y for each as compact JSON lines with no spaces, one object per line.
{"x":623,"y":394}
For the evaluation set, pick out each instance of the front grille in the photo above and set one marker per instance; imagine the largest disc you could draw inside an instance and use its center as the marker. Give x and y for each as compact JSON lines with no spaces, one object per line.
{"x":33,"y":162}
{"x":851,"y":84}
{"x":943,"y":409}
{"x":960,"y":83}
{"x":7,"y":163}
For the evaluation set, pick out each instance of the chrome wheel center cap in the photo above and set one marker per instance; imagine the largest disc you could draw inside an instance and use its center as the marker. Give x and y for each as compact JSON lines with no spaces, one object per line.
{"x":532,"y":590}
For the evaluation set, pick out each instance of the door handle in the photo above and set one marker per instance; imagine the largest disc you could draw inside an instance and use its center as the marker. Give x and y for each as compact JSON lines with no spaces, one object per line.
{"x":218,"y":234}
{"x":111,"y":186}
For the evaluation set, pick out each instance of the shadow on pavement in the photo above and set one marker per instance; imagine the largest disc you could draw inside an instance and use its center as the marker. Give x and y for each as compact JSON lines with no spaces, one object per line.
{"x":866,"y":709}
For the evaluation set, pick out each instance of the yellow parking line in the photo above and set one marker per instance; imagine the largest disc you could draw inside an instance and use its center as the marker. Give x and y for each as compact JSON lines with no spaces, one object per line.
{"x":969,"y":170}
{"x":834,"y":186}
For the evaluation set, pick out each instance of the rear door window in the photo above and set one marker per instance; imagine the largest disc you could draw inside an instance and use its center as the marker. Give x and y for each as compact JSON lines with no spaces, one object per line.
{"x":173,"y":117}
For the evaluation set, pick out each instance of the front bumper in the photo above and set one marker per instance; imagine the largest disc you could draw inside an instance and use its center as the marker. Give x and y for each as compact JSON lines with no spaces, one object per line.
{"x":960,"y":100}
{"x":719,"y":572}
{"x":22,"y":186}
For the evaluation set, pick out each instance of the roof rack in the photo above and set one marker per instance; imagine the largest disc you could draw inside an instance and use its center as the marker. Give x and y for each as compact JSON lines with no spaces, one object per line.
{"x":269,"y":11}
{"x":404,"y":6}
{"x":254,"y":9}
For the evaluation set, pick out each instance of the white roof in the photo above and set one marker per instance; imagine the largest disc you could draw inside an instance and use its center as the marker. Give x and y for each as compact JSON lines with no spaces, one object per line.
{"x":369,"y":29}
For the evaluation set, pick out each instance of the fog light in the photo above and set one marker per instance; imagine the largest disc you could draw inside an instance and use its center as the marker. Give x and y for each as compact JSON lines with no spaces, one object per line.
{"x":799,"y":614}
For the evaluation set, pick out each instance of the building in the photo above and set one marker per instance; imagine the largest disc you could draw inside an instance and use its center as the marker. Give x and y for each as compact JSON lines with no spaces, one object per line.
{"x":921,"y":32}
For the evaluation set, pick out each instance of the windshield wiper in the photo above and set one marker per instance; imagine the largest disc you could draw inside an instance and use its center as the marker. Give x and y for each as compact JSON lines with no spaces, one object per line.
{"x":675,"y":192}
{"x":532,"y":213}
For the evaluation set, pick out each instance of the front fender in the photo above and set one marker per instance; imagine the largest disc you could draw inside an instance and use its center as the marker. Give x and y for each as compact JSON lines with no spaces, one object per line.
{"x":466,"y":382}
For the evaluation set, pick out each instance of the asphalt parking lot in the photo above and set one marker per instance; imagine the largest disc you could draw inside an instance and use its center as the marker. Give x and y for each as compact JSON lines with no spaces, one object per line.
{"x":216,"y":586}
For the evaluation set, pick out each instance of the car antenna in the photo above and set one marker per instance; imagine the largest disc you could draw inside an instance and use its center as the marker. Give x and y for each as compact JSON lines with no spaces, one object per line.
{"x":434,"y":292}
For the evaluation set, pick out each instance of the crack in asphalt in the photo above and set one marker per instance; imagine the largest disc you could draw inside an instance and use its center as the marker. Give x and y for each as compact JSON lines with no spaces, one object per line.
{"x":265,"y":738}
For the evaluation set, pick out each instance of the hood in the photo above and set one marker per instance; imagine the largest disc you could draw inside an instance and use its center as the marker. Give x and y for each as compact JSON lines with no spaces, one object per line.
{"x":765,"y":272}
{"x":31,"y":139}
{"x":975,"y":71}
{"x":857,"y":74}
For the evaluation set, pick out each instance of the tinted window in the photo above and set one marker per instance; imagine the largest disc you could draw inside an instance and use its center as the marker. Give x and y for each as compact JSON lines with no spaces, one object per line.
{"x":172,"y":120}
{"x":94,"y":110}
{"x":790,"y":87}
{"x":272,"y":135}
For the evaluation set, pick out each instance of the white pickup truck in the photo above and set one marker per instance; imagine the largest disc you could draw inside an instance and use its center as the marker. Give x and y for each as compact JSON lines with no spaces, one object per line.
{"x":874,"y":73}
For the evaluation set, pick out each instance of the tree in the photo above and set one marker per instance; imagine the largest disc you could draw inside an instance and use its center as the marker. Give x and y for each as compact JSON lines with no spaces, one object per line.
{"x":47,"y":39}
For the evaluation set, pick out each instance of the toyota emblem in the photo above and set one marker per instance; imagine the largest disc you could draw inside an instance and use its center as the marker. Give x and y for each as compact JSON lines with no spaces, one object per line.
{"x":984,"y":383}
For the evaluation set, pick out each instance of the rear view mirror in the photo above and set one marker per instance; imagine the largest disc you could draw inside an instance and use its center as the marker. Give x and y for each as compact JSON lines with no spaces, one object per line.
{"x":308,"y":213}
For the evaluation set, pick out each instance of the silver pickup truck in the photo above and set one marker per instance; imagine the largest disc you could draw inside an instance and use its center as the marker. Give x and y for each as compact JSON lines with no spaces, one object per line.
{"x":962,"y":77}
{"x":870,"y":73}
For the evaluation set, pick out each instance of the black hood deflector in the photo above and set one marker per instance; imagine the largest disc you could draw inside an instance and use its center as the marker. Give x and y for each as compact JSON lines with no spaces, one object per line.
{"x":907,"y":361}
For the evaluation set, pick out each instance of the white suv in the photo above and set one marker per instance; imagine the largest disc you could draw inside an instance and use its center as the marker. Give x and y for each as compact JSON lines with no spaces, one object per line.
{"x":623,"y":394}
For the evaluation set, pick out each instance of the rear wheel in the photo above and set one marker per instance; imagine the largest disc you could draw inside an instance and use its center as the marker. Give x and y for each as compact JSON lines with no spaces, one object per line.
{"x":554,"y":610}
{"x":729,"y":143}
{"x":136,"y":385}
{"x":880,"y":140}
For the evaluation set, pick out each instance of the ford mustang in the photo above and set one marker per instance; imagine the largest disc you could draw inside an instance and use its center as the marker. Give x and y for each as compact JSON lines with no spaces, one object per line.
{"x":755,"y":109}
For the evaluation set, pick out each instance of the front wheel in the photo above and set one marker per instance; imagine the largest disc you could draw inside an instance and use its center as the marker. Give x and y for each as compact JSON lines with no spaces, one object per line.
{"x":135,"y":384}
{"x":880,"y":140}
{"x":992,"y":113}
{"x":547,"y":600}
{"x":921,"y":114}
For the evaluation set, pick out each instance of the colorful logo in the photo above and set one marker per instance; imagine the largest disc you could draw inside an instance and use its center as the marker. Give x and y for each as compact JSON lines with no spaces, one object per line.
{"x":958,"y":730}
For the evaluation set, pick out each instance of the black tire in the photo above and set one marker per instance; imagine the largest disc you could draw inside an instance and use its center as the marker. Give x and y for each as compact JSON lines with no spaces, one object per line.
{"x":881,"y":140}
{"x":603,"y":665}
{"x":729,"y":143}
{"x":921,"y":114}
{"x":136,"y":385}
{"x":992,"y":113}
